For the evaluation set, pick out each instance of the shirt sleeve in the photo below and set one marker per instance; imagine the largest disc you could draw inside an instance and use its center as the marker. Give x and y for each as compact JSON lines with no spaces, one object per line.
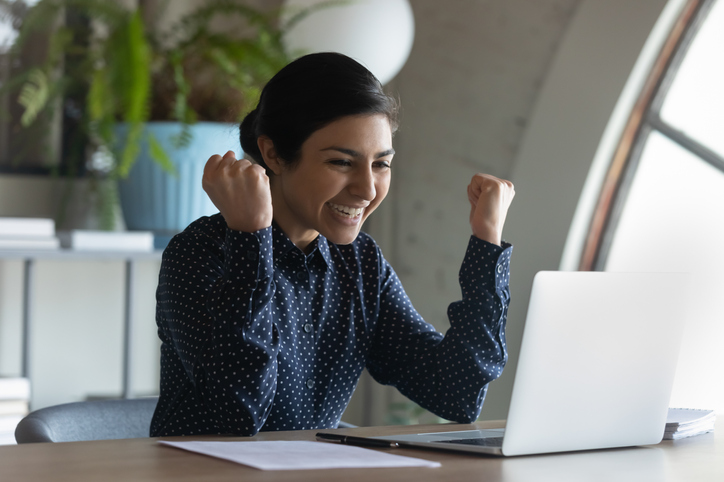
{"x":447,"y":375}
{"x":214,"y":302}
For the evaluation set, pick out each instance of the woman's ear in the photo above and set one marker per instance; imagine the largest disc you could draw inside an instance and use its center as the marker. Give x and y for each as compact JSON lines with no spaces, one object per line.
{"x":271,"y":158}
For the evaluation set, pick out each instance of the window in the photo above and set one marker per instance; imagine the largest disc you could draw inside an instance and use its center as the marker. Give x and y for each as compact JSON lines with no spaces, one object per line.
{"x":662,"y":207}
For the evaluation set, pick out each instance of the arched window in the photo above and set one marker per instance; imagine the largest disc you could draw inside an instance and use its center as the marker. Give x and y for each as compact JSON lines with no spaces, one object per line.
{"x":662,"y":204}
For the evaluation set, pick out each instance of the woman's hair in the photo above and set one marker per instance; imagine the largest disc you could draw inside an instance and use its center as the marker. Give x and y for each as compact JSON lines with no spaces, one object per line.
{"x":308,"y":94}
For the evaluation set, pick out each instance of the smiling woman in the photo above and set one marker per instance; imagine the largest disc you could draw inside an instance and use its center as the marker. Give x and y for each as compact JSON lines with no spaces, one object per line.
{"x":342,"y":176}
{"x":269,"y":311}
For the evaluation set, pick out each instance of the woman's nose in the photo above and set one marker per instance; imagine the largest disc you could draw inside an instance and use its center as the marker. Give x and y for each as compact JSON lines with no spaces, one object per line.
{"x":363,"y":185}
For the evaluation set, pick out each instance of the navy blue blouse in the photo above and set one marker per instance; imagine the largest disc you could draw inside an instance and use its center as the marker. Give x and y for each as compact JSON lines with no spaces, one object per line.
{"x":256,"y":335}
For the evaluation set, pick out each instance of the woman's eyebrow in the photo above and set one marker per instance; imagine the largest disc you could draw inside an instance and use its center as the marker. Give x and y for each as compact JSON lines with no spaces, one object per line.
{"x":353,"y":153}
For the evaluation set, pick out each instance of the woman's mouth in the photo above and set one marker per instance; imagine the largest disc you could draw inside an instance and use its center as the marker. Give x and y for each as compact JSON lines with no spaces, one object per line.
{"x":346,"y":211}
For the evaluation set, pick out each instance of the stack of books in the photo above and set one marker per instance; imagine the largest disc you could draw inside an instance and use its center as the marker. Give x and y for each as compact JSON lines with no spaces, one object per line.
{"x":14,"y":401}
{"x":687,"y":422}
{"x":27,"y":233}
{"x":90,"y":240}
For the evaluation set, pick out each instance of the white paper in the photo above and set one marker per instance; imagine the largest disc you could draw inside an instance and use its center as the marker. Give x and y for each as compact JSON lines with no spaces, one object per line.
{"x":299,"y":455}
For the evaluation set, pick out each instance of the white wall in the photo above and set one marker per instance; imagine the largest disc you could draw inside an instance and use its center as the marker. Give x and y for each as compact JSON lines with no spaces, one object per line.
{"x":517,"y":89}
{"x":467,"y":93}
{"x":587,"y":78}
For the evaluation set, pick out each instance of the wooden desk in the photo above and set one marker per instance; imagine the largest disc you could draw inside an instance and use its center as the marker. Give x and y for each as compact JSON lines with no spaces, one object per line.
{"x":698,"y":458}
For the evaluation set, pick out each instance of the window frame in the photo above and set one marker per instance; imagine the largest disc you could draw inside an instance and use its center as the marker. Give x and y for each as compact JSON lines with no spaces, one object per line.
{"x":644,"y":119}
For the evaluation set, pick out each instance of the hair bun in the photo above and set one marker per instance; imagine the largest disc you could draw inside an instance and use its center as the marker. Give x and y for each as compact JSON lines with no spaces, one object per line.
{"x":248,"y":135}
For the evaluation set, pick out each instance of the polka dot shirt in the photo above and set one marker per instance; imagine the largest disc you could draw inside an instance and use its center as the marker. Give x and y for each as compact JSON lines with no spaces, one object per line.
{"x":256,"y":335}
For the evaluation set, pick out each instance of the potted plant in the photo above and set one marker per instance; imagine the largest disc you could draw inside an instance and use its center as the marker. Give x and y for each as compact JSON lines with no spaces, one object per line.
{"x":130,"y":91}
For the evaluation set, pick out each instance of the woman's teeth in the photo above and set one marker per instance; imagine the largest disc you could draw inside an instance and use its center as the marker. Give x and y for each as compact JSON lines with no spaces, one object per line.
{"x":346,"y":210}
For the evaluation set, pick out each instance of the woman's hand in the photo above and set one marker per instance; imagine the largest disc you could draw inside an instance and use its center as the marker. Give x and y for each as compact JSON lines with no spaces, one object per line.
{"x":240,"y":190}
{"x":490,"y":199}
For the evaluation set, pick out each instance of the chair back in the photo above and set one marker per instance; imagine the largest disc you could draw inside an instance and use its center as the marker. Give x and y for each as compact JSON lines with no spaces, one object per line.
{"x":80,"y":421}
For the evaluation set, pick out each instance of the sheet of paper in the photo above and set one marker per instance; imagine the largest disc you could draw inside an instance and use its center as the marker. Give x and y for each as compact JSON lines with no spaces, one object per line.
{"x":299,"y":455}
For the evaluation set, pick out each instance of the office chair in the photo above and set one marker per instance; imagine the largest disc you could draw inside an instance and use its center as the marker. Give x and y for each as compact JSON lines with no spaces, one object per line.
{"x":79,"y":421}
{"x":98,"y":420}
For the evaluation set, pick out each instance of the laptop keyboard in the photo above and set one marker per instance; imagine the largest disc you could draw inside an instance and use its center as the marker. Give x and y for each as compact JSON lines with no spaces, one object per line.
{"x":484,"y":442}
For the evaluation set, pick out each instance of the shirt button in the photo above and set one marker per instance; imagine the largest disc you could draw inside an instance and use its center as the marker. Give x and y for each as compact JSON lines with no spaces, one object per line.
{"x":251,"y":255}
{"x":301,"y":275}
{"x":500,"y":268}
{"x":307,"y":327}
{"x":310,"y":383}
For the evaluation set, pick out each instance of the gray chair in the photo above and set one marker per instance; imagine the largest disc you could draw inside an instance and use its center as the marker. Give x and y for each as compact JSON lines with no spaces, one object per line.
{"x":79,"y":421}
{"x":101,"y":420}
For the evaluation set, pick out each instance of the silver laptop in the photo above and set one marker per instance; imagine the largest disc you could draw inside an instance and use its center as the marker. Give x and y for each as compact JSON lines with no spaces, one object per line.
{"x":596,"y":366}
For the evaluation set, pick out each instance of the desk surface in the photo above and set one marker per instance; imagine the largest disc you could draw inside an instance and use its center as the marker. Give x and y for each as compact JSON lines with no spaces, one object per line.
{"x":698,"y":458}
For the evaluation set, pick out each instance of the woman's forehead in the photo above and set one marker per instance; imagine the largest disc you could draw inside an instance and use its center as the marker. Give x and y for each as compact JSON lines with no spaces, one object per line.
{"x":354,"y":133}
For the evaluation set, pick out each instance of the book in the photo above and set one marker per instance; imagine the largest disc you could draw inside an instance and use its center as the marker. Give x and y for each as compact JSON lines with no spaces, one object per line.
{"x":26,"y":227}
{"x":14,"y":388}
{"x":89,"y":240}
{"x":687,"y":422}
{"x":13,"y":407}
{"x":30,"y":242}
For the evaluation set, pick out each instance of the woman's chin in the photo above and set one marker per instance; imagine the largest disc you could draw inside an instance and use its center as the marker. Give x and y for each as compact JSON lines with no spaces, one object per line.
{"x":346,"y":236}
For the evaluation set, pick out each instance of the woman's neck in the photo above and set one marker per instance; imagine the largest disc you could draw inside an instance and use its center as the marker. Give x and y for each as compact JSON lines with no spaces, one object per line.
{"x":300,"y":235}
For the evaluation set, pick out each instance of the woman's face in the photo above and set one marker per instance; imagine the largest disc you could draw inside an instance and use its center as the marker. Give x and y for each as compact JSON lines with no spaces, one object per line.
{"x":342,"y":176}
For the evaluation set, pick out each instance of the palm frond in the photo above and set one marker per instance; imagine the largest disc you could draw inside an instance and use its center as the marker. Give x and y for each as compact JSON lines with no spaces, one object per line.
{"x":131,"y":147}
{"x":181,"y":110}
{"x":34,"y":96}
{"x":159,"y":154}
{"x":130,"y":74}
{"x":99,"y":102}
{"x":130,"y":80}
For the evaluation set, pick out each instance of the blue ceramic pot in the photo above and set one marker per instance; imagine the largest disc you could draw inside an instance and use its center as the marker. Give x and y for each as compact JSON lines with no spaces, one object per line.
{"x":154,"y":200}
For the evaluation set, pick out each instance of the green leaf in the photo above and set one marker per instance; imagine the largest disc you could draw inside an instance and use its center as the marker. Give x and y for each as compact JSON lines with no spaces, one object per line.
{"x":131,"y":73}
{"x":158,"y":154}
{"x":129,"y":78}
{"x":33,"y":96}
{"x":99,"y":102}
{"x":183,"y":139}
{"x":131,"y":148}
{"x":181,"y":110}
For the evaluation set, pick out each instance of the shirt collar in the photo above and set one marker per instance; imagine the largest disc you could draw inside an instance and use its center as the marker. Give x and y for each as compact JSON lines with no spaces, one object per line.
{"x":283,"y":246}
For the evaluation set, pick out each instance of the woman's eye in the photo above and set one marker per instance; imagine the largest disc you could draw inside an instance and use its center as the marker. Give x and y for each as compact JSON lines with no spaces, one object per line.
{"x":383,"y":164}
{"x":340,"y":162}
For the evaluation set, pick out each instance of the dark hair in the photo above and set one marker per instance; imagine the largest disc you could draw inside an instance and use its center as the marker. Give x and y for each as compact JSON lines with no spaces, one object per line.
{"x":308,"y":94}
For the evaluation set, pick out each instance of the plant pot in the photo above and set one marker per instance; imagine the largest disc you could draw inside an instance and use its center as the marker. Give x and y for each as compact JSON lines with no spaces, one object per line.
{"x":154,"y":200}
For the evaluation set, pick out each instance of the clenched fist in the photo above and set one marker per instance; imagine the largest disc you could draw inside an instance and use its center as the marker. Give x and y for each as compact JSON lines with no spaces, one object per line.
{"x":240,"y":190}
{"x":490,"y":199}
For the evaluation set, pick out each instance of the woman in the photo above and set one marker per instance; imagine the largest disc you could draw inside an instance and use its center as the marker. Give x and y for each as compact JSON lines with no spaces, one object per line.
{"x":269,"y":311}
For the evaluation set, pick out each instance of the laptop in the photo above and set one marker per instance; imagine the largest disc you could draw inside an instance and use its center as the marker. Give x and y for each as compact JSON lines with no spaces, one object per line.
{"x":596,"y":367}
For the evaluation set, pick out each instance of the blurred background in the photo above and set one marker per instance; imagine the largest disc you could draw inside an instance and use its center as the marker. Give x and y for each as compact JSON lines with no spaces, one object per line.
{"x":614,"y":150}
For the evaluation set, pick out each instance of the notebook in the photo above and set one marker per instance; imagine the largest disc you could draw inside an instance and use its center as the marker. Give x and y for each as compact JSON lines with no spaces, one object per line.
{"x":596,"y":366}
